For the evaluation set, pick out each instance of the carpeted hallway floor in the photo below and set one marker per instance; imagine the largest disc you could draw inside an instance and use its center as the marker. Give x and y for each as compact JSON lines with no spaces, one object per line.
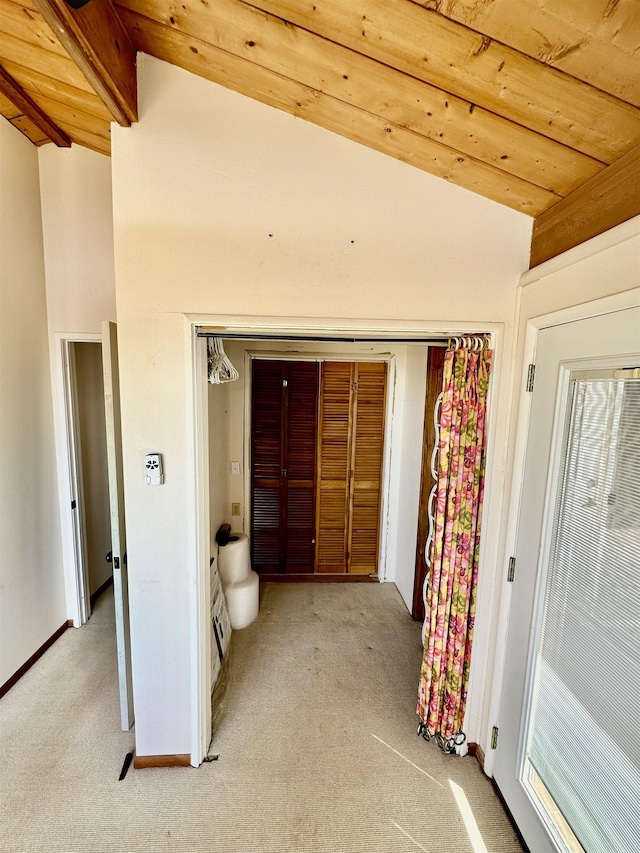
{"x":316,"y":738}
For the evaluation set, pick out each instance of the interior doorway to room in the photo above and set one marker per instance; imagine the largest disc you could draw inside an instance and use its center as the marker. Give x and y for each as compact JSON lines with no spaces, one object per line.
{"x":95,"y":494}
{"x":88,"y":469}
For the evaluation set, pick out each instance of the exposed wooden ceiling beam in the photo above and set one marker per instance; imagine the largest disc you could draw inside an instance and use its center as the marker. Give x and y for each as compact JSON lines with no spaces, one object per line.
{"x":606,"y":200}
{"x":31,"y":110}
{"x":96,"y":40}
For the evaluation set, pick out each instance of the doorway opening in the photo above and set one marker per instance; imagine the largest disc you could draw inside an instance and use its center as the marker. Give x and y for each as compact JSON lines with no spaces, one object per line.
{"x":222,"y":454}
{"x":88,"y":501}
{"x":91,"y":489}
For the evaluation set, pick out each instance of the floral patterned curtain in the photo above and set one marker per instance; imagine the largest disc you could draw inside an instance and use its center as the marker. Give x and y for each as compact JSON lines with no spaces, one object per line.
{"x":452,"y":580}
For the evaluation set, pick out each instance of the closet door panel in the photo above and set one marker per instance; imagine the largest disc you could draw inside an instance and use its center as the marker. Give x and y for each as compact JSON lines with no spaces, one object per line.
{"x":367,"y":454}
{"x":365,"y":532}
{"x":300,"y":478}
{"x":267,"y":463}
{"x":265,"y":532}
{"x":334,"y":457}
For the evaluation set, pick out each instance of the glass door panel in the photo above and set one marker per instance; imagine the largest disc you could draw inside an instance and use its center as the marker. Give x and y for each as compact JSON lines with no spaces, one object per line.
{"x":581,"y":764}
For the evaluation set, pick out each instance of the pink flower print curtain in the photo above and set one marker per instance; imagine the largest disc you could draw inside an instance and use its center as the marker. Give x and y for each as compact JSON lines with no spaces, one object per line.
{"x":451,"y":593}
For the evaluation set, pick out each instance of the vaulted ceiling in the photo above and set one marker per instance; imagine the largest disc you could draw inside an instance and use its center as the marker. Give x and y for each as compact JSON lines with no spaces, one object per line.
{"x":526,"y":102}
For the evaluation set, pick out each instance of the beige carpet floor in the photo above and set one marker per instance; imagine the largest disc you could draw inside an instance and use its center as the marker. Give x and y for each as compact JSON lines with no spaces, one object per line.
{"x":315,"y":738}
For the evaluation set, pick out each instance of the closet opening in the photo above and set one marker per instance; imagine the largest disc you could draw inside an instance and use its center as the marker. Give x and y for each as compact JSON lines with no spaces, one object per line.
{"x":316,"y":453}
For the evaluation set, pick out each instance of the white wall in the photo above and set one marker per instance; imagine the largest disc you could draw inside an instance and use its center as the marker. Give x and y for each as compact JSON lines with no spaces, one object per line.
{"x":596,"y":277}
{"x":407,"y":389}
{"x":32,"y":603}
{"x":77,"y":225}
{"x":223,"y":206}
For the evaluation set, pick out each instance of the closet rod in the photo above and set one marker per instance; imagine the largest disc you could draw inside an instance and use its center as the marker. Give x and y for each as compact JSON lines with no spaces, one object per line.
{"x":244,"y":336}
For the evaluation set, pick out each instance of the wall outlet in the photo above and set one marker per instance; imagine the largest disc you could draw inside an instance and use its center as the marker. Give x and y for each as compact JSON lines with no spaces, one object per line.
{"x":235,"y":509}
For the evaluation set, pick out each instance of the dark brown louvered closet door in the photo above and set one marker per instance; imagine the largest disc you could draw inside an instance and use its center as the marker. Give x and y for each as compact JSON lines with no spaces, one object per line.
{"x":267,"y":465}
{"x":300,"y":476}
{"x":284,"y":412}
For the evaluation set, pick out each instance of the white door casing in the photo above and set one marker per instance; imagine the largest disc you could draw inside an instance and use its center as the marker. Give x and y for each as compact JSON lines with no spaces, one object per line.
{"x":608,"y":340}
{"x":118,"y":530}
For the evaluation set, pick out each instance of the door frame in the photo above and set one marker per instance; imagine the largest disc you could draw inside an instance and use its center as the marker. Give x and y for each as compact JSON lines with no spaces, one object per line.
{"x":197,"y":458}
{"x":273,"y":355}
{"x":532,"y":328}
{"x":69,"y":467}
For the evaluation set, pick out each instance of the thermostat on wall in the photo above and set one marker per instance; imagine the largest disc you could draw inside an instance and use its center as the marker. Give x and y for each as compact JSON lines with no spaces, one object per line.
{"x":153,"y":465}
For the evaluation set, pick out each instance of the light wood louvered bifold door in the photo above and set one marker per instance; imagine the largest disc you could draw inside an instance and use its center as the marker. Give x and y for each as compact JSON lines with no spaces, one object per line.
{"x":350,"y":453}
{"x":284,"y":407}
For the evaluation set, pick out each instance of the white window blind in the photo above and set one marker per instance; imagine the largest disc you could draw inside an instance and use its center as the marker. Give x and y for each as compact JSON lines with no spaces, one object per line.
{"x":584,"y":728}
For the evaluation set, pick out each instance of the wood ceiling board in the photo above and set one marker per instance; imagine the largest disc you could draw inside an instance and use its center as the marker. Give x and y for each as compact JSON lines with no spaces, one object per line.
{"x":7,"y":108}
{"x":33,"y":111}
{"x":86,"y":139}
{"x":45,"y":62}
{"x":67,"y":116}
{"x":39,"y":84}
{"x":610,"y":198}
{"x":28,"y":25}
{"x":369,"y":85}
{"x":30,"y":130}
{"x":297,"y":99}
{"x":597,"y":41}
{"x":96,"y":40}
{"x":458,"y":60}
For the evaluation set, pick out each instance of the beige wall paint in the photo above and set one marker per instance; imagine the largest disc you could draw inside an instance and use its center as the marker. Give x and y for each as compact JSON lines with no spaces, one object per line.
{"x":32,"y":602}
{"x":95,"y":475}
{"x":77,"y":224}
{"x":224,"y":206}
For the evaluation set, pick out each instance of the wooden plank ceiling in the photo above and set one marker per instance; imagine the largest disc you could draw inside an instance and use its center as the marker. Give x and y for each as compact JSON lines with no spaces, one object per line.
{"x":522,"y":101}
